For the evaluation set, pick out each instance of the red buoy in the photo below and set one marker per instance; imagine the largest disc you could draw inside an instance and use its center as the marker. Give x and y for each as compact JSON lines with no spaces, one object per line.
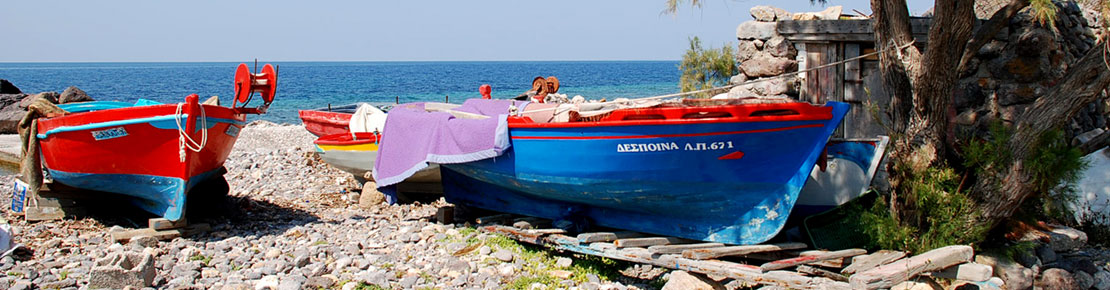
{"x":486,"y":90}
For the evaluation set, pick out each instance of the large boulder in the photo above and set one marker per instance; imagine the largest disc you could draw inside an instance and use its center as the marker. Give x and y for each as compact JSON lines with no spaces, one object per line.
{"x":73,"y":94}
{"x":769,"y":13}
{"x":123,"y":270}
{"x":49,"y":96}
{"x":765,"y":66}
{"x":746,"y":50}
{"x":780,"y":47}
{"x":7,"y":87}
{"x":1056,"y":278}
{"x":10,"y":112}
{"x":756,"y":30}
{"x":1013,"y":274}
{"x":683,"y":280}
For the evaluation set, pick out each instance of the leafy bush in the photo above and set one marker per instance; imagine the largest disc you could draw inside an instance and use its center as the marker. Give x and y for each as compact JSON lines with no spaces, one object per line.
{"x":942,"y":215}
{"x":704,"y":68}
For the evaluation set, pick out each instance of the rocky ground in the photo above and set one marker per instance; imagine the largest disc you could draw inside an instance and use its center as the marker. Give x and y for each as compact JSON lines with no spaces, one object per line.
{"x":293,"y":222}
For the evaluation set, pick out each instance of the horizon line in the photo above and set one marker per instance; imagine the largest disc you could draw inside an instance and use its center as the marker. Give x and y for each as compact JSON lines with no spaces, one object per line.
{"x":216,"y":61}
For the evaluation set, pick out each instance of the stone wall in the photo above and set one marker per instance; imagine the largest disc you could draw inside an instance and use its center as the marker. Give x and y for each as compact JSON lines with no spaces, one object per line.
{"x":763,"y":53}
{"x":1002,"y":81}
{"x":1021,"y":64}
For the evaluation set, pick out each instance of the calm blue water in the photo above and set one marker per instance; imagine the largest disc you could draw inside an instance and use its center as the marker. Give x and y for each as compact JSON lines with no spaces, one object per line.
{"x":307,"y":85}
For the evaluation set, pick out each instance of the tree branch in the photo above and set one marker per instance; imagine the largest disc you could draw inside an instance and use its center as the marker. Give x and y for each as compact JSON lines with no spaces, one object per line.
{"x":1082,"y":84}
{"x":1096,"y":143}
{"x":999,"y":20}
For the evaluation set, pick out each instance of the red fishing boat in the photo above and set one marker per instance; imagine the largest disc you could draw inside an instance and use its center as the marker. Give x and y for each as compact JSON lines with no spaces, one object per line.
{"x":153,"y":152}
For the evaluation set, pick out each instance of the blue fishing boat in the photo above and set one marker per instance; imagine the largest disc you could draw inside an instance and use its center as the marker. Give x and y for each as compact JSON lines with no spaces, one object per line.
{"x":703,"y":170}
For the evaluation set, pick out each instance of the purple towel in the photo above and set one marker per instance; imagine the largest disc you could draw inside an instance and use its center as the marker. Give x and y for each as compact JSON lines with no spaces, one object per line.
{"x":412,"y":137}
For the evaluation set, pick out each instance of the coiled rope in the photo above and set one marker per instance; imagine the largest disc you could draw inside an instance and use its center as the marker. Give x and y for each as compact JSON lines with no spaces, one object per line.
{"x":184,"y":141}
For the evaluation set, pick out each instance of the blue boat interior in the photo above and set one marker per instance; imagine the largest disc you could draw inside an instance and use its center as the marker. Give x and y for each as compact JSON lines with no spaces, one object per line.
{"x":104,"y":105}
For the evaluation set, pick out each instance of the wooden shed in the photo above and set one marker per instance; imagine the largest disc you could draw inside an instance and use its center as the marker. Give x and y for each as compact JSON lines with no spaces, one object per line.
{"x":856,"y":82}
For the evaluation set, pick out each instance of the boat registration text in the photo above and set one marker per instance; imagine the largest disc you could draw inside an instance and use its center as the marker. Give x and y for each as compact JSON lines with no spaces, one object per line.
{"x":673,"y":146}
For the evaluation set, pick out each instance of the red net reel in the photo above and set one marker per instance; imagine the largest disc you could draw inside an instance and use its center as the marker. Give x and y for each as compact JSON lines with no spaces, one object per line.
{"x":263,"y":83}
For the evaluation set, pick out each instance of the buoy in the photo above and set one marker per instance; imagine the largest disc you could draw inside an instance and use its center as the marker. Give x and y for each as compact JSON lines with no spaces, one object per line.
{"x":263,"y":83}
{"x":486,"y":90}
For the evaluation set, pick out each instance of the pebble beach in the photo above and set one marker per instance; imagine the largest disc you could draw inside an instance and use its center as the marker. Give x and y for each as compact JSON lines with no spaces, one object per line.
{"x":293,"y":222}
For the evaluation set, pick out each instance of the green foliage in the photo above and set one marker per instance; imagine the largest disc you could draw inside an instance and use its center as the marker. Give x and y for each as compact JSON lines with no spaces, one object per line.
{"x":202,"y":258}
{"x":1044,"y":12}
{"x":538,"y":262}
{"x":704,"y":68}
{"x":1055,"y":166}
{"x":992,"y":154}
{"x":940,"y":215}
{"x":672,"y":5}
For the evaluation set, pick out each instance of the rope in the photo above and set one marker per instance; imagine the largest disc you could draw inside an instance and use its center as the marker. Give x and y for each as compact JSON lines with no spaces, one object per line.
{"x":184,"y":141}
{"x":784,"y":75}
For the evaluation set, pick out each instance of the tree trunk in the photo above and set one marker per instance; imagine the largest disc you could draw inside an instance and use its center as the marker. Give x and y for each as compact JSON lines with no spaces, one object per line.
{"x":1080,"y":86}
{"x":920,"y":86}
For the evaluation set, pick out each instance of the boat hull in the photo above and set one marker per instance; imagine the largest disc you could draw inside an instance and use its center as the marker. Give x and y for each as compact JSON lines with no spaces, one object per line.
{"x":733,"y":182}
{"x":846,"y":175}
{"x":357,"y":156}
{"x":136,"y":152}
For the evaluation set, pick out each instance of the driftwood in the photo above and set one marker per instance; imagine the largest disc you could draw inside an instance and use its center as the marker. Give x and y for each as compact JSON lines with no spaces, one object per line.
{"x":786,"y":263}
{"x":702,"y":254}
{"x":888,"y":275}
{"x":607,"y":236}
{"x":867,"y":262}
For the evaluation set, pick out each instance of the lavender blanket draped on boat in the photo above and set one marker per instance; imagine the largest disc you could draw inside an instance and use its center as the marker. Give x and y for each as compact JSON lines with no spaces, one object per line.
{"x":412,"y":137}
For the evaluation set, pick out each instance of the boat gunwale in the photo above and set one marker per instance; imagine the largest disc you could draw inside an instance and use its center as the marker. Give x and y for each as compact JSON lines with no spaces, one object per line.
{"x":83,"y":121}
{"x":331,"y":139}
{"x":806,"y":112}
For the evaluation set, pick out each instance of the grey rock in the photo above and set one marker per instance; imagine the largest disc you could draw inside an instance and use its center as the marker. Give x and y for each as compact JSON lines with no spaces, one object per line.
{"x":1046,"y":254}
{"x":756,"y":30}
{"x":318,"y":282}
{"x":484,"y":250}
{"x":780,"y":47}
{"x":1056,"y":278}
{"x":408,"y":282}
{"x":769,"y":13}
{"x":1063,"y":239}
{"x":7,"y":87}
{"x":503,"y":255}
{"x":300,"y":261}
{"x":457,"y":265}
{"x":1083,"y":280}
{"x":991,"y":49}
{"x":122,"y":270}
{"x":1013,"y":274}
{"x":49,"y":96}
{"x":341,"y":264}
{"x":563,"y":262}
{"x":737,"y":79}
{"x":144,"y":241}
{"x":746,"y":50}
{"x":1102,"y":280}
{"x":1075,"y":264}
{"x":765,"y":66}
{"x":73,"y":94}
{"x":292,"y":282}
{"x":21,"y":285}
{"x":370,"y":196}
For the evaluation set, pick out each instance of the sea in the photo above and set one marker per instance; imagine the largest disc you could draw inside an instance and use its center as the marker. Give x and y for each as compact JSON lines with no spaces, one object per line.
{"x":310,"y":85}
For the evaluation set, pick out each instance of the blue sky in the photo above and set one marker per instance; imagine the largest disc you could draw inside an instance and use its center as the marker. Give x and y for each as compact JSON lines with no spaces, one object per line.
{"x":347,"y":30}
